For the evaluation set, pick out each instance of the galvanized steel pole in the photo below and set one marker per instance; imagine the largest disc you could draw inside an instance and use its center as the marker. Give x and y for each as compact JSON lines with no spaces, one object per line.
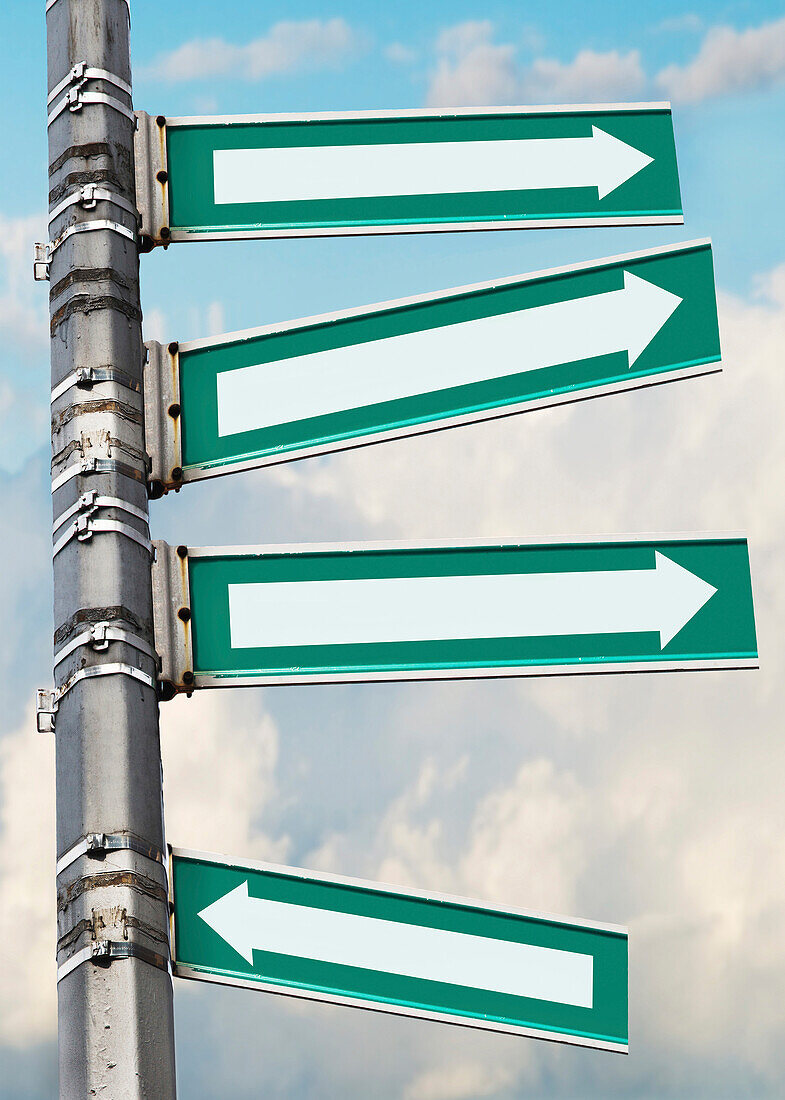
{"x":116,"y":1035}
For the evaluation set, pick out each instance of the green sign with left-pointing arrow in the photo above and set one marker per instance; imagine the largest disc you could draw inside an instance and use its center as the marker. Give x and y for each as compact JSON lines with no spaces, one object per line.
{"x":291,"y":615}
{"x":436,"y":361}
{"x":305,"y":934}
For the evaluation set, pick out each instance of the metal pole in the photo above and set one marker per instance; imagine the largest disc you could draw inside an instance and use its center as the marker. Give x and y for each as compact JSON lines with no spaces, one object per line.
{"x":116,"y":1036}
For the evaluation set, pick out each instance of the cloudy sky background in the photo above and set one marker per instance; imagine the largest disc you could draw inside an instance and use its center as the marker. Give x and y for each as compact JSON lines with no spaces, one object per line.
{"x":653,"y":801}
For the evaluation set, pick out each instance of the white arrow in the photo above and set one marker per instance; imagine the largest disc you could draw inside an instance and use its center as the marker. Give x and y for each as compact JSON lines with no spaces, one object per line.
{"x":391,"y":947}
{"x":510,"y":605}
{"x":310,"y":173}
{"x":624,"y":320}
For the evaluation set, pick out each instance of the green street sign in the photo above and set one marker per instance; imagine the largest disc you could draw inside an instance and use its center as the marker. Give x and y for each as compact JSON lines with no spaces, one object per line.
{"x":346,"y":941}
{"x":309,"y":614}
{"x":346,"y":379}
{"x":230,"y":177}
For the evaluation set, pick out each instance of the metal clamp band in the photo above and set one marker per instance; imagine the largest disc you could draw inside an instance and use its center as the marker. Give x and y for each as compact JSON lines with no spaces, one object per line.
{"x":87,"y":377}
{"x":90,"y":502}
{"x":99,"y":637}
{"x":44,"y":252}
{"x":104,"y":952}
{"x":75,"y":99}
{"x":91,"y":227}
{"x":48,"y":702}
{"x":85,"y":527}
{"x":87,"y":197}
{"x":82,"y":72}
{"x":96,"y":466}
{"x":96,"y":845}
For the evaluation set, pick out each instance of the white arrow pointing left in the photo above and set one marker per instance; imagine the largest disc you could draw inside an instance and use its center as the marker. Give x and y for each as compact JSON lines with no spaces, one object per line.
{"x":437,"y":608}
{"x":433,"y":954}
{"x":357,"y":375}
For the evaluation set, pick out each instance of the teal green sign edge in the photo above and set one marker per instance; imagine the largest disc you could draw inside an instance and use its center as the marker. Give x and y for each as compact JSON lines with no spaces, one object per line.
{"x":197,"y":879}
{"x":651,"y":197}
{"x":688,"y":345}
{"x":721,"y":634}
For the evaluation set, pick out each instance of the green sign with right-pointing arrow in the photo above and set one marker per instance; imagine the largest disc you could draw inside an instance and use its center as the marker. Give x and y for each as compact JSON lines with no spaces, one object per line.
{"x":226,"y":177}
{"x":302,"y":614}
{"x":436,"y":361}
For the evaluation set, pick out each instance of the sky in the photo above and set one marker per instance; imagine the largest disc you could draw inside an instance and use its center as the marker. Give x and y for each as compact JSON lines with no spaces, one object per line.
{"x":649,"y":801}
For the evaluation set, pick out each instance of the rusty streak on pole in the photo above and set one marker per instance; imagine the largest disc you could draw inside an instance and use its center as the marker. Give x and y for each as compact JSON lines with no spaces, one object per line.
{"x":114,"y":1012}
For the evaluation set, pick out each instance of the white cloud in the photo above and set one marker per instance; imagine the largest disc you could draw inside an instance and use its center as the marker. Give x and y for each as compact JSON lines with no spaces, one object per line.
{"x":24,"y":307}
{"x":651,"y":801}
{"x":590,"y":77}
{"x":216,"y":319}
{"x":472,"y":70}
{"x":729,"y":61}
{"x":458,"y":1082}
{"x":28,"y":934}
{"x":400,"y":54}
{"x":288,"y":47}
{"x":155,"y":325}
{"x":219,"y":754}
{"x":676,"y":24}
{"x":24,"y":337}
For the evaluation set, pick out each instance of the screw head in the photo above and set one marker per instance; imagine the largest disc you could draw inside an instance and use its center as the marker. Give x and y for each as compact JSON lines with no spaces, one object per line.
{"x":160,"y":120}
{"x":173,"y":348}
{"x":177,"y":473}
{"x":174,"y":410}
{"x":182,"y":551}
{"x":165,"y":233}
{"x":184,"y":614}
{"x":162,"y":176}
{"x":188,"y":677}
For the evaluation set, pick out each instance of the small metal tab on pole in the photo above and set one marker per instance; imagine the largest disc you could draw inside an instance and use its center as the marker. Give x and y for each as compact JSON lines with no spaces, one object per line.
{"x":41,"y":261}
{"x":172,"y":619}
{"x":152,"y":180}
{"x":45,"y":710}
{"x":162,"y":417}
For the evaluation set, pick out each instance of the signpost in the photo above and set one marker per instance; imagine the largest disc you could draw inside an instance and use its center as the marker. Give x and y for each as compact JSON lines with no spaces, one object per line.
{"x":226,"y":617}
{"x":230,"y":177}
{"x":303,"y":934}
{"x":309,"y":614}
{"x":346,"y":379}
